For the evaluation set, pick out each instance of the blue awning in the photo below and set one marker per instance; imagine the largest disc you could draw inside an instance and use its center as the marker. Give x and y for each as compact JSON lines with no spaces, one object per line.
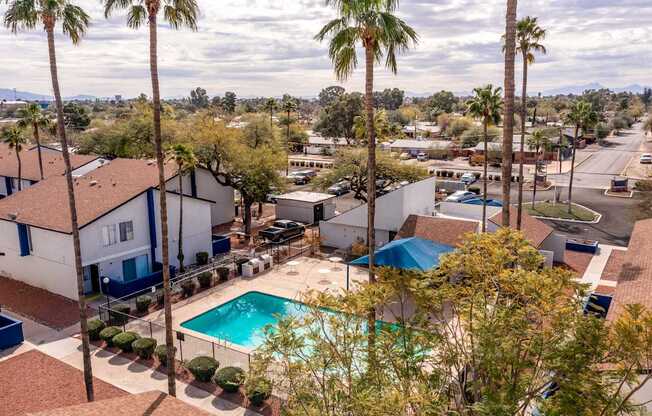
{"x":409,"y":254}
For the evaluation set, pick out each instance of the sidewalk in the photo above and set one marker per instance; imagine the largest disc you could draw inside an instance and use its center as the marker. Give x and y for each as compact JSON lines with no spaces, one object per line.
{"x":593,"y":273}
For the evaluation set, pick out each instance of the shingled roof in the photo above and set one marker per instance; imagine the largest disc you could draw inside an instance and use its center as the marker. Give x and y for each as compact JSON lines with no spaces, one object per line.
{"x":45,"y":205}
{"x":442,"y":230}
{"x":52,"y":163}
{"x":534,"y":230}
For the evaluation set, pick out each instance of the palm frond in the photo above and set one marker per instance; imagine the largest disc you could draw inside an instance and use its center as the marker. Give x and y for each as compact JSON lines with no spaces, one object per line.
{"x":75,"y":21}
{"x":181,"y":13}
{"x":136,"y":16}
{"x":21,"y":14}
{"x":112,"y":5}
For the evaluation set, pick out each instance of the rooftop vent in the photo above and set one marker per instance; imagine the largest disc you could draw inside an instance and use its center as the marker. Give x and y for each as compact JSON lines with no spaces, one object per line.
{"x":13,"y":215}
{"x":150,"y":162}
{"x":93,"y":183}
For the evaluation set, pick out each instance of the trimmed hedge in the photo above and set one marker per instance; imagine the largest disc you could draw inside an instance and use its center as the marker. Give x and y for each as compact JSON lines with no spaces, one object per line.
{"x":203,"y":368}
{"x":144,"y":347}
{"x":118,"y":314}
{"x":229,"y":379}
{"x":474,"y":189}
{"x":161,"y":353}
{"x":205,"y":280}
{"x":202,"y":258}
{"x":124,"y":340}
{"x":223,"y":273}
{"x":258,"y":389}
{"x":95,"y":326}
{"x":188,"y":288}
{"x":108,"y":333}
{"x":142,"y":303}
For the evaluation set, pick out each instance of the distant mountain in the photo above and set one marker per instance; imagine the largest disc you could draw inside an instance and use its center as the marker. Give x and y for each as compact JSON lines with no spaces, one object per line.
{"x":579,"y":89}
{"x":9,"y":95}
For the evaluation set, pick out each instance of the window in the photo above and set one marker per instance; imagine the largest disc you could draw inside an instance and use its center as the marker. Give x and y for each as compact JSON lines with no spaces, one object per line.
{"x":126,"y":231}
{"x":108,"y":235}
{"x":135,"y":268}
{"x":29,"y":239}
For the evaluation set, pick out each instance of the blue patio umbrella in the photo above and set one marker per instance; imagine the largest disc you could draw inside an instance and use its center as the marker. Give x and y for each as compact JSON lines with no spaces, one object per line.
{"x":409,"y":254}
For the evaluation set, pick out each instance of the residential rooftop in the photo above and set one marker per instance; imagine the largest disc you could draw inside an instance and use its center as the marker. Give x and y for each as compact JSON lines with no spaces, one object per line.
{"x":442,"y":230}
{"x":53,"y":164}
{"x":305,"y":196}
{"x":534,"y":230}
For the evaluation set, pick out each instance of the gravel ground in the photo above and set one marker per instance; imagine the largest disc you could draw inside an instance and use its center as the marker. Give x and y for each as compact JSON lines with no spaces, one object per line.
{"x":34,"y":382}
{"x":37,"y":304}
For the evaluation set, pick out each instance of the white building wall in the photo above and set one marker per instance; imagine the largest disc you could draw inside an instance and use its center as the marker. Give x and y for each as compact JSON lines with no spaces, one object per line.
{"x":343,"y":236}
{"x":556,"y":244}
{"x":467,"y":211}
{"x":303,"y":211}
{"x":3,"y":186}
{"x":50,"y":266}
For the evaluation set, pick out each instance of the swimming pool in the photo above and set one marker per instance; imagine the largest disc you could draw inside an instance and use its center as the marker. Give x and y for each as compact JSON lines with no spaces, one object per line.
{"x":242,"y":320}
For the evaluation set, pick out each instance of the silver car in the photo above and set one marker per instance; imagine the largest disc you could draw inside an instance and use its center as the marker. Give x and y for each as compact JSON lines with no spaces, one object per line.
{"x":461,"y":196}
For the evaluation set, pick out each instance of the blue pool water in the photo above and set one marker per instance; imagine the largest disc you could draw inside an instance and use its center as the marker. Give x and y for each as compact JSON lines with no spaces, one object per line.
{"x":242,"y":320}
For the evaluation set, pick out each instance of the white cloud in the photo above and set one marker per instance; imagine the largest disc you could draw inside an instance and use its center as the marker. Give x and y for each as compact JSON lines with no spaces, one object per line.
{"x":265,"y":47}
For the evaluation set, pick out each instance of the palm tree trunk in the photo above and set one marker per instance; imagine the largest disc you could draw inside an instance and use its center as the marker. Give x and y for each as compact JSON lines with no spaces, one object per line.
{"x":484,"y":185}
{"x":508,"y":125}
{"x":534,"y":188}
{"x":519,"y":214}
{"x":572,"y":171}
{"x":20,"y":169}
{"x":180,"y":254}
{"x":165,"y":254}
{"x":246,"y":216}
{"x":287,"y":144}
{"x":61,"y":132}
{"x":37,"y":139}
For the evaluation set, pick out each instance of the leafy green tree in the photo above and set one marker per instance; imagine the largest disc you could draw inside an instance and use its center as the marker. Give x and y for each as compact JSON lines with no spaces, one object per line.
{"x":389,"y":99}
{"x":458,"y":126}
{"x":602,"y":131}
{"x":490,"y":332}
{"x":184,"y":158}
{"x":76,"y":117}
{"x":271,"y":105}
{"x":351,"y":165}
{"x":13,"y":138}
{"x":178,"y":13}
{"x":330,"y":95}
{"x":382,"y":34}
{"x":486,"y":105}
{"x":646,"y":97}
{"x":529,"y":36}
{"x":382,"y":125}
{"x":581,"y":116}
{"x":337,"y":120}
{"x":32,"y":117}
{"x":442,"y":102}
{"x":473,"y":136}
{"x":229,"y":102}
{"x":28,"y":15}
{"x":199,"y":98}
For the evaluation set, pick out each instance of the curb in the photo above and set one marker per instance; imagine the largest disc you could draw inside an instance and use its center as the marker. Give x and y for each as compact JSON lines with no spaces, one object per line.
{"x":613,"y":195}
{"x":595,"y":221}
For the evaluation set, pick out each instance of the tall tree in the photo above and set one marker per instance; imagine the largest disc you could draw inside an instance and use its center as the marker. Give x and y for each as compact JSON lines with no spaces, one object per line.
{"x":486,"y":105}
{"x":541,"y":143}
{"x":27,"y":15}
{"x":178,"y":13}
{"x":270,"y":106}
{"x":13,"y":138}
{"x":581,"y":116}
{"x":508,"y":124}
{"x":32,"y":116}
{"x":182,"y":156}
{"x":528,"y":36}
{"x":288,"y":106}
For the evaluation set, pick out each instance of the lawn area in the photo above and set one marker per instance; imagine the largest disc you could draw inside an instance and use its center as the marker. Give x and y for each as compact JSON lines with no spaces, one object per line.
{"x":560,"y":210}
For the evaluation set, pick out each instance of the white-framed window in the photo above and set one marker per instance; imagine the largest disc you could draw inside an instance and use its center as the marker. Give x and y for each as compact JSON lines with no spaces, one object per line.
{"x":126,"y":231}
{"x":109,"y":236}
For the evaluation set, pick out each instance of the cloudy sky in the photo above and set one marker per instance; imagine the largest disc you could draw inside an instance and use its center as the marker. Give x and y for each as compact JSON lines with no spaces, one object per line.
{"x":266,"y":47}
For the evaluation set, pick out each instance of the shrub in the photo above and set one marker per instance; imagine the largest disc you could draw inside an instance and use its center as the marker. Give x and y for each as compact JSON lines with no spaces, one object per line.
{"x":142,"y":303}
{"x":203,"y":368}
{"x":144,"y":347}
{"x":202,"y":258}
{"x":188,"y":288}
{"x":643,"y":185}
{"x":95,"y":326}
{"x":229,"y":379}
{"x":477,"y":175}
{"x":205,"y":280}
{"x":497,"y":177}
{"x":258,"y":389}
{"x":223,"y":273}
{"x":475,"y":190}
{"x":438,"y":173}
{"x":108,"y":333}
{"x":118,"y":314}
{"x":160,"y":298}
{"x":161,"y":353}
{"x":450,"y":173}
{"x":124,"y":340}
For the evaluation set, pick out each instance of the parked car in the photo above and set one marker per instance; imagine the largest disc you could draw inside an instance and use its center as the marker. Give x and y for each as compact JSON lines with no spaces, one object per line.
{"x":302,"y":177}
{"x":422,"y":157}
{"x":282,"y":230}
{"x":461,"y":196}
{"x":646,"y":158}
{"x":468,"y":178}
{"x":271,"y":197}
{"x":340,"y":188}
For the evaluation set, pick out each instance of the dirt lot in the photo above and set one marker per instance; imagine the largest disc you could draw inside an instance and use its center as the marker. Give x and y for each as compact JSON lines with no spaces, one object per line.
{"x":34,"y":382}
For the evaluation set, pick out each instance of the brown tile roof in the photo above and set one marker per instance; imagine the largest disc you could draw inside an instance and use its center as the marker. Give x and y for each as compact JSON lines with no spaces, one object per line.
{"x":442,"y":230}
{"x":153,"y":403}
{"x":635,"y":280}
{"x":577,"y":261}
{"x":614,"y":265}
{"x":534,"y":230}
{"x":45,"y":204}
{"x":52,"y":163}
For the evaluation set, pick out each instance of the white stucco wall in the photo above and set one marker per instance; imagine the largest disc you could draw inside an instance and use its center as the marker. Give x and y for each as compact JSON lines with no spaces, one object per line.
{"x":555,"y":243}
{"x":467,"y":211}
{"x":50,"y":266}
{"x":303,"y":211}
{"x":343,"y":236}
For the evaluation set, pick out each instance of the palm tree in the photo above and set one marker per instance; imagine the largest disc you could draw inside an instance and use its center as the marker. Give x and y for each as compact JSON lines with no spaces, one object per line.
{"x":27,"y":15}
{"x":382,"y":34}
{"x":487,"y":105}
{"x":582,"y":116}
{"x":529,"y":36}
{"x":270,"y":105}
{"x":183,"y":156}
{"x":178,"y":13}
{"x":13,"y":137}
{"x":288,"y":106}
{"x":508,"y":125}
{"x":540,"y":142}
{"x":32,"y":116}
